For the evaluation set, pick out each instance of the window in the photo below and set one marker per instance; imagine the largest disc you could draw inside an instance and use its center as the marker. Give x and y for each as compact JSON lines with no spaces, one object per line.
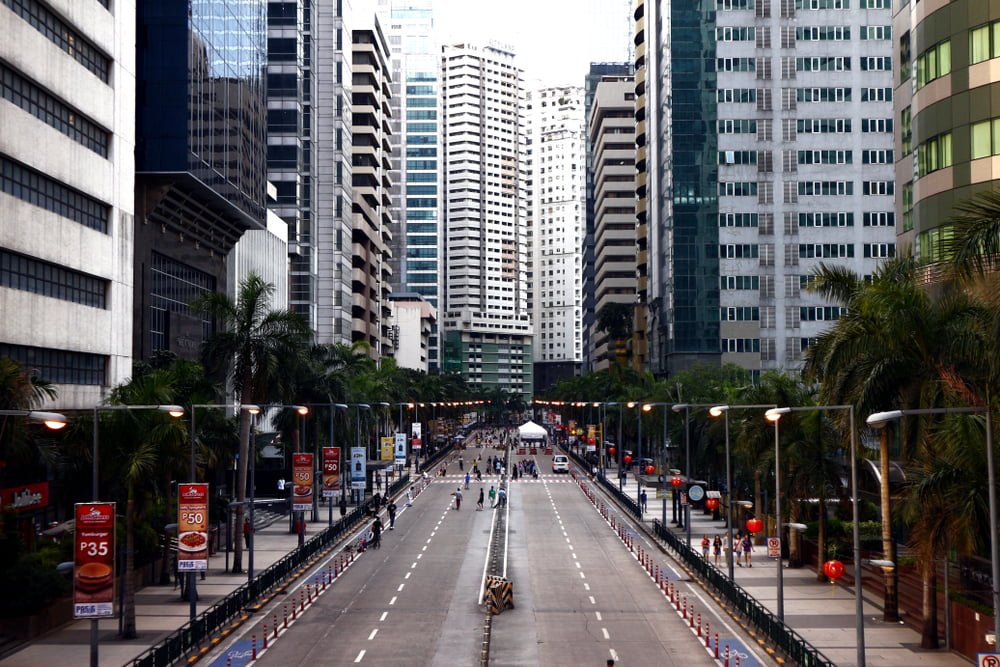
{"x":826,"y":219}
{"x":725,"y":5}
{"x":740,"y":314}
{"x":421,"y":127}
{"x":825,"y":188}
{"x":737,"y":95}
{"x":823,"y":94}
{"x":876,"y":94}
{"x":876,"y":32}
{"x":908,"y":207}
{"x":878,"y":187}
{"x":738,"y":251}
{"x":737,"y":126}
{"x":876,"y":64}
{"x":738,"y":219}
{"x":906,"y":130}
{"x":739,"y":282}
{"x":880,"y":250}
{"x":825,"y":157}
{"x":821,"y":313}
{"x":875,"y":4}
{"x":934,"y":63}
{"x":38,"y":16}
{"x":40,"y":277}
{"x":985,"y":138}
{"x":735,"y":34}
{"x":934,"y":154}
{"x":879,"y":125}
{"x":984,"y":42}
{"x":421,"y":114}
{"x":737,"y":189}
{"x":737,"y":157}
{"x":735,"y":64}
{"x":877,"y":157}
{"x":740,"y":344}
{"x":38,"y":189}
{"x":822,"y":4}
{"x":823,"y":33}
{"x":823,"y":125}
{"x":882,"y":219}
{"x":823,"y":64}
{"x":826,"y":250}
{"x":59,"y":366}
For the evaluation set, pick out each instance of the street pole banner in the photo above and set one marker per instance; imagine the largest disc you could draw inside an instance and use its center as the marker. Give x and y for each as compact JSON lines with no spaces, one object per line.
{"x":359,"y":465}
{"x":94,"y":561}
{"x":416,"y":432}
{"x":388,"y":448}
{"x":331,"y":472}
{"x":302,"y":482}
{"x":401,"y":449}
{"x":192,"y":527}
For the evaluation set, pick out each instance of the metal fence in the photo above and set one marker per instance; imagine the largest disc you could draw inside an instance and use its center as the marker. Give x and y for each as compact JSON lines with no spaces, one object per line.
{"x":179,"y":644}
{"x":628,"y":503}
{"x":787,"y":640}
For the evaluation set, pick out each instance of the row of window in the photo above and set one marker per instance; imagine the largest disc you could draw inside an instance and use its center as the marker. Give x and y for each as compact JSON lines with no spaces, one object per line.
{"x":984,"y":42}
{"x":803,"y":95}
{"x":59,"y":366}
{"x":740,"y":314}
{"x":53,"y":112}
{"x":724,"y":5}
{"x":38,"y":189}
{"x":821,"y":313}
{"x":39,"y":277}
{"x":39,"y":17}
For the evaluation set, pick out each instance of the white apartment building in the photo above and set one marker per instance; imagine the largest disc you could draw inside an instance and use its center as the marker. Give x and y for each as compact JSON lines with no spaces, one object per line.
{"x":805,"y":165}
{"x":67,"y":165}
{"x":486,"y":320}
{"x":557,"y":213}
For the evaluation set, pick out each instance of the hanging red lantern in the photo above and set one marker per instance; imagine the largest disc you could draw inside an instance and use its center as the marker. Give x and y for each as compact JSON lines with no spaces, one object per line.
{"x":611,"y":451}
{"x":592,"y":441}
{"x":712,"y":504}
{"x":650,"y":470}
{"x":833,"y":569}
{"x":754,"y":525}
{"x":676,"y":482}
{"x":628,"y":460}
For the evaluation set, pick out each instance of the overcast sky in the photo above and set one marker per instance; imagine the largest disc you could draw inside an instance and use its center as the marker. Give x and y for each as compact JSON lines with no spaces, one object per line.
{"x":555,"y":40}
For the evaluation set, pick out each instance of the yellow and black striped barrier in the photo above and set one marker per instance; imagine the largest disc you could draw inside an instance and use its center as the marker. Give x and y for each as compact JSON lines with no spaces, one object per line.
{"x":499,"y":594}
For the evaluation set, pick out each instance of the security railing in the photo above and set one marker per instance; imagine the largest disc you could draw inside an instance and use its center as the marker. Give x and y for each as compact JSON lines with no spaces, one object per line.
{"x":628,"y":503}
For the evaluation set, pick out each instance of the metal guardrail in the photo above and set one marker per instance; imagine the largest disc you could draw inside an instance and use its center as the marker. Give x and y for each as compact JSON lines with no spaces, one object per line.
{"x":787,"y":640}
{"x":179,"y":644}
{"x":609,"y":486}
{"x":432,"y":460}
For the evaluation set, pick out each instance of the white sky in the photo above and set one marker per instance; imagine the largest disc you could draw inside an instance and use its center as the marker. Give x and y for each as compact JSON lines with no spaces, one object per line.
{"x":555,"y":40}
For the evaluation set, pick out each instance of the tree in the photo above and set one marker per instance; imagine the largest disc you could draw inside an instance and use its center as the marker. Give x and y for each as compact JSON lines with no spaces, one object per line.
{"x":972,"y":242}
{"x":20,"y":390}
{"x":616,"y":319}
{"x":251,"y":347}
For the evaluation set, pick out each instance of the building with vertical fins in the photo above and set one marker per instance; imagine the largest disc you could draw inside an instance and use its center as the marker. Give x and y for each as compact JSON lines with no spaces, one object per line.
{"x":611,"y":133}
{"x":486,"y":320}
{"x":67,"y":158}
{"x":373,"y":222}
{"x":557,"y":218}
{"x":947,"y":110}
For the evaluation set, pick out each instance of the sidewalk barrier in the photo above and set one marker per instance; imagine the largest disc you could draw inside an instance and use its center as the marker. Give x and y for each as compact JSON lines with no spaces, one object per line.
{"x":631,"y":505}
{"x":191,"y":635}
{"x":787,"y":640}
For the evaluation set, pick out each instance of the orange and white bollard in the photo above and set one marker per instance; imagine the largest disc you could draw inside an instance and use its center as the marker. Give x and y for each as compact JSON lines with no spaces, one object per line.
{"x":716,"y":645}
{"x":685,"y":606}
{"x":265,"y":635}
{"x":286,"y":616}
{"x":253,"y":647}
{"x":699,"y":624}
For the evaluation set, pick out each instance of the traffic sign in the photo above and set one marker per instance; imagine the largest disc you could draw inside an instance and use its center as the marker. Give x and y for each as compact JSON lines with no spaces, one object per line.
{"x":696,"y":492}
{"x":988,"y":659}
{"x":774,"y":549}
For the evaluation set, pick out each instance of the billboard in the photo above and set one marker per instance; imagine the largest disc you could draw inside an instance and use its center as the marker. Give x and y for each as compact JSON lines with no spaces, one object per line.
{"x":302,"y":482}
{"x":192,"y":527}
{"x":94,"y":561}
{"x":401,"y":449}
{"x":416,"y":431}
{"x":359,"y":464}
{"x":331,"y":472}
{"x":387,"y":449}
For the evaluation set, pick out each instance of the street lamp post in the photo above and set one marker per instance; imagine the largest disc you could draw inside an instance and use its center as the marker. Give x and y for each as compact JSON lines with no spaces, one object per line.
{"x":638,"y":452}
{"x":300,"y":516}
{"x":723,"y":410}
{"x":774,"y":416}
{"x":858,"y":593}
{"x":881,"y":419}
{"x":358,"y":407}
{"x":686,"y":407}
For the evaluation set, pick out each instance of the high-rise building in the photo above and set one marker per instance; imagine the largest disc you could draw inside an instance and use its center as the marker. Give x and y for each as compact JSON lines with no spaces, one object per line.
{"x":201,"y":152}
{"x":557,"y":217}
{"x":373,"y":221}
{"x":596,"y":73}
{"x":67,"y":158}
{"x":780,"y":159}
{"x":332,"y":206}
{"x":947,"y":111}
{"x":416,"y":156}
{"x":611,"y":133}
{"x":290,"y":131}
{"x":486,"y":320}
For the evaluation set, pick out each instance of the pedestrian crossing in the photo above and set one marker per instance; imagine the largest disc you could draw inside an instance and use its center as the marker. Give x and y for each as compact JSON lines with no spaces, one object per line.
{"x":542,"y":479}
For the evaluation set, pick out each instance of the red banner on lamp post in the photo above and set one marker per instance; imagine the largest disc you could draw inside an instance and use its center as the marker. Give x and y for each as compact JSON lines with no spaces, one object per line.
{"x":94,"y":561}
{"x":331,"y":472}
{"x":302,"y":482}
{"x":192,"y":527}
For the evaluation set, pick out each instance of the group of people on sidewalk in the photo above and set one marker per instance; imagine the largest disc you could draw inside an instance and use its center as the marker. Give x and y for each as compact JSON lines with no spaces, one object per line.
{"x":742,"y":547}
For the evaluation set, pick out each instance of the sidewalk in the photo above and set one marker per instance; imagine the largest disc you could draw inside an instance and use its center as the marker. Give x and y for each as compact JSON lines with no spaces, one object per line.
{"x":823,"y":614}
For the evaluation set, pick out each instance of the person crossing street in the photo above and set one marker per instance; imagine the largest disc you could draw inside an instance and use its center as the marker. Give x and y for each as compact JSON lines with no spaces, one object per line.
{"x":391,"y":508}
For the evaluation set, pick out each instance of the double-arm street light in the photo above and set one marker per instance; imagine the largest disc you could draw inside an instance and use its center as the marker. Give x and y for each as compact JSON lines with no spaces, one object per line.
{"x":882,"y":419}
{"x":774,"y":416}
{"x":317,"y":469}
{"x":52,"y":420}
{"x":686,"y":407}
{"x":723,"y":411}
{"x":858,"y":593}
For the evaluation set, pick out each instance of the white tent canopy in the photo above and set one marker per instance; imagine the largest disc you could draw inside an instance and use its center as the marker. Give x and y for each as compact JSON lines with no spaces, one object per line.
{"x":531,"y":431}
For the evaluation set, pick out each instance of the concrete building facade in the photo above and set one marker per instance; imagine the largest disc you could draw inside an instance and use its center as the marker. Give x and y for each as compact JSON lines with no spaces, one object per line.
{"x":413,"y":319}
{"x":67,"y":176}
{"x":486,"y":319}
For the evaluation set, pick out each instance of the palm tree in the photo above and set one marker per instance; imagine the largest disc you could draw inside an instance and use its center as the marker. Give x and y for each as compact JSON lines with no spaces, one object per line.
{"x":973,"y":241}
{"x":616,"y":319}
{"x":250,"y":349}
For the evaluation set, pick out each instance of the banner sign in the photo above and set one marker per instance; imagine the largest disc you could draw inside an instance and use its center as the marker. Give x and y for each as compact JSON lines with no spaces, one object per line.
{"x":94,"y":561}
{"x":192,"y":527}
{"x":388,"y":448}
{"x":25,"y":497}
{"x":401,"y":449}
{"x":358,"y":466}
{"x":302,"y":482}
{"x":773,"y":547}
{"x":331,"y":472}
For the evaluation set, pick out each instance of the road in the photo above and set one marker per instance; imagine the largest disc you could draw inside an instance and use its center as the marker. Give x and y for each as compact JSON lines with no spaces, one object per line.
{"x":580,"y":595}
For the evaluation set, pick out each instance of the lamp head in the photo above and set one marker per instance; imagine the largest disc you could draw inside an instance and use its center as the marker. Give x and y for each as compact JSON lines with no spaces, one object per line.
{"x":717,"y":410}
{"x":880,"y":419}
{"x":54,"y":421}
{"x":680,"y":406}
{"x":775,"y":414}
{"x":251,"y":408}
{"x":801,"y":527}
{"x":597,"y":404}
{"x":630,"y":404}
{"x":174,"y":411}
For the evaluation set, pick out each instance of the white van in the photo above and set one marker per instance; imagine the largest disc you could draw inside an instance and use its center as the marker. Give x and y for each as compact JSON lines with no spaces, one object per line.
{"x":560,"y":463}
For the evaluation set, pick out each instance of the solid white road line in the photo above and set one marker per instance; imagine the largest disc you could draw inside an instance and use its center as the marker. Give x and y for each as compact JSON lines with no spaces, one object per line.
{"x":360,"y":656}
{"x":372,"y":635}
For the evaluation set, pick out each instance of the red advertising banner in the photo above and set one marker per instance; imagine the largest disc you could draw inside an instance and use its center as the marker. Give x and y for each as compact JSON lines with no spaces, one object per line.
{"x":331,"y":472}
{"x":25,"y":497}
{"x":192,"y":527}
{"x":302,"y":482}
{"x":94,"y":561}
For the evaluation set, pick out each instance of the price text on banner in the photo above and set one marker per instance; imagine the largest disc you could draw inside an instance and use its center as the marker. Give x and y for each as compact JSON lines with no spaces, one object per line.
{"x":192,"y":527}
{"x":302,"y":482}
{"x":331,"y":472}
{"x":94,"y":561}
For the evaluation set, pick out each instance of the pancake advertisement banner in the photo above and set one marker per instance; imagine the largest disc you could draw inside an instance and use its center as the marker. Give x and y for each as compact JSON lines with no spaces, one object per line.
{"x":94,"y":561}
{"x":192,"y":527}
{"x":331,"y":472}
{"x":302,"y":477}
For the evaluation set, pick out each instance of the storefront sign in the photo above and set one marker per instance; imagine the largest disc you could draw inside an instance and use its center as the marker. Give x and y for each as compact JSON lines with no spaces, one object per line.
{"x":25,"y":497}
{"x":94,"y":561}
{"x":302,"y":482}
{"x":192,"y":527}
{"x":331,"y":472}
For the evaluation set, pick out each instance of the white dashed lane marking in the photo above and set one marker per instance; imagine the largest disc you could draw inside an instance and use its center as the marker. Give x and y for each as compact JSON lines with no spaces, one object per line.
{"x":592,"y":600}
{"x":605,"y":632}
{"x":360,"y":656}
{"x":400,"y":588}
{"x":598,"y":614}
{"x":372,"y":635}
{"x":384,"y":614}
{"x":393,"y":600}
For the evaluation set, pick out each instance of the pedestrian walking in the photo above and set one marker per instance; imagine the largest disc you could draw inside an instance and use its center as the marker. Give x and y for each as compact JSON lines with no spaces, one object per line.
{"x":377,"y":533}
{"x":458,"y":498}
{"x":493,"y":497}
{"x":479,"y":503}
{"x":642,"y":502}
{"x":246,"y":531}
{"x":391,"y":507}
{"x":502,"y":495}
{"x":705,"y":544}
{"x":461,"y":463}
{"x":468,"y":478}
{"x":748,"y":549}
{"x":736,"y":548}
{"x":717,"y":548}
